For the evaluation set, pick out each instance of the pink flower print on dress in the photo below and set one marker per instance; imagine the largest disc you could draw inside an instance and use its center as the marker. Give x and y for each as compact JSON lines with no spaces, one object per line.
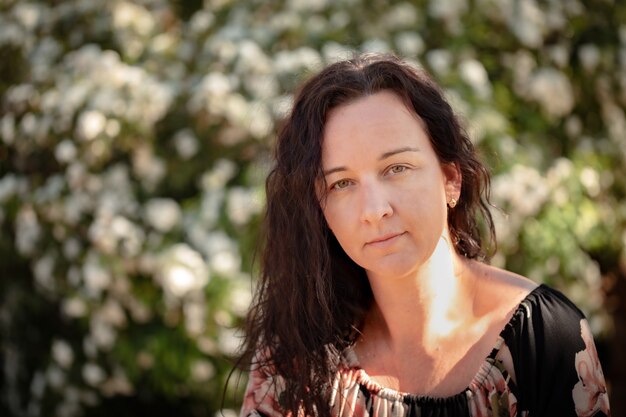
{"x":261,"y":392}
{"x":493,"y":396}
{"x":589,"y":393}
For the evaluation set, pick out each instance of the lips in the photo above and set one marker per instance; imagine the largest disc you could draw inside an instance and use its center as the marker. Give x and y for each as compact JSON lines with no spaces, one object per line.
{"x":384,"y":239}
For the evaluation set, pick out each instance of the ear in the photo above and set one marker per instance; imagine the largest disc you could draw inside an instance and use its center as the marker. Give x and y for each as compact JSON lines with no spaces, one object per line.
{"x":452,"y":180}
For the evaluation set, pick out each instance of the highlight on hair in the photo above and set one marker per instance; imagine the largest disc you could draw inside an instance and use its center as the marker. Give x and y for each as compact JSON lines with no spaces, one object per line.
{"x":311,"y":295}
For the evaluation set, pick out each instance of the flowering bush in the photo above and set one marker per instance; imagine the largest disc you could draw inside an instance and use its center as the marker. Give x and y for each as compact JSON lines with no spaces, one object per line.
{"x":134,"y":142}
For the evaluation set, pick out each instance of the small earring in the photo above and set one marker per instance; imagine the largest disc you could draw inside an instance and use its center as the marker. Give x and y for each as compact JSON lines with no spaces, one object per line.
{"x":452,"y":203}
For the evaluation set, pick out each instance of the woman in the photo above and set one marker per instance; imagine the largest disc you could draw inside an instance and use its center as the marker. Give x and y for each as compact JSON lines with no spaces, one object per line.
{"x":373,"y":298}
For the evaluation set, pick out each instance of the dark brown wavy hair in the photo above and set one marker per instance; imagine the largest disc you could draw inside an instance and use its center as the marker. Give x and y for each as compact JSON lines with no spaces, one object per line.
{"x":311,"y":295}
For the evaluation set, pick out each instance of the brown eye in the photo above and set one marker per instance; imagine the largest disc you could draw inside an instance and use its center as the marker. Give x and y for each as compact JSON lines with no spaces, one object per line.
{"x":396,"y":169}
{"x":340,"y":184}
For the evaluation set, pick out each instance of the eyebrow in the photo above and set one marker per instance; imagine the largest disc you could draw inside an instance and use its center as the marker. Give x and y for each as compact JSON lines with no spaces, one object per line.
{"x":380,"y":158}
{"x":397,"y":151}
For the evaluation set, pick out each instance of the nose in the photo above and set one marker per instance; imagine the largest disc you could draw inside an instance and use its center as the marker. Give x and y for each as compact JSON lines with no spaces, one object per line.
{"x":375,"y":203}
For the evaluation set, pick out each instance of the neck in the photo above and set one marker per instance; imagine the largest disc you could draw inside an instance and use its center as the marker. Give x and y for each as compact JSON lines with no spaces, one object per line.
{"x":427,"y":305}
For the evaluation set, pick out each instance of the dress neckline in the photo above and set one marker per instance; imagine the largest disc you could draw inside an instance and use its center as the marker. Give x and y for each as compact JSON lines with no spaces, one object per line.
{"x":523,"y":308}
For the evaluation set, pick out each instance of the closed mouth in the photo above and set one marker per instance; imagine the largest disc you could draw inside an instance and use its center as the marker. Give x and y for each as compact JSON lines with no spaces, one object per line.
{"x":384,"y":238}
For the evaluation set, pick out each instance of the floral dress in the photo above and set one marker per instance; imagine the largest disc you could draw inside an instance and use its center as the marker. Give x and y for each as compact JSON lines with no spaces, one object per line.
{"x":554,"y":357}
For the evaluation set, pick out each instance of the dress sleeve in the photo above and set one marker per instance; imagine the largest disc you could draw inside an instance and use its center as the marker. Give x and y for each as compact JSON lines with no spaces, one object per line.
{"x":555,"y":359}
{"x":263,"y":390}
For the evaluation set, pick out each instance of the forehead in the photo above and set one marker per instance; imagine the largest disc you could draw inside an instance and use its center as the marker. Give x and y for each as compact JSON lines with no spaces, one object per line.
{"x":374,"y":123}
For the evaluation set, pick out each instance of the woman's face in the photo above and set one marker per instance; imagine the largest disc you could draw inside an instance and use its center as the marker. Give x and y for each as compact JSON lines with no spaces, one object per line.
{"x":386,"y":192}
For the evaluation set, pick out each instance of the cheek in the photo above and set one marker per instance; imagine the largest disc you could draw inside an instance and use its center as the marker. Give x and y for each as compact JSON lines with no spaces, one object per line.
{"x":341,"y":224}
{"x":333,"y":217}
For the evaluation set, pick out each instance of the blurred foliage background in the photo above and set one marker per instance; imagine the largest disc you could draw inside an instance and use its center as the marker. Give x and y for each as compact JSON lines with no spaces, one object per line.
{"x":134,"y":142}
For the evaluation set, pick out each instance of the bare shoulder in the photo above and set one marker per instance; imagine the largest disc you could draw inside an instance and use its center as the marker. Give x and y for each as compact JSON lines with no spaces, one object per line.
{"x":500,"y":290}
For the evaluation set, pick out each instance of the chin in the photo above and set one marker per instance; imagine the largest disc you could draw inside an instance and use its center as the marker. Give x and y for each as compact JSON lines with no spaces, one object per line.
{"x":395,"y":268}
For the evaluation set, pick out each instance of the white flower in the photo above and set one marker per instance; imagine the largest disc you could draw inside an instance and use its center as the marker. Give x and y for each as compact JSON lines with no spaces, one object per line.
{"x":27,"y":230}
{"x":524,"y":188}
{"x":210,"y":207}
{"x":38,"y":385}
{"x":333,"y":52}
{"x":72,"y":248}
{"x":439,"y":60}
{"x":223,"y":253}
{"x":89,"y":346}
{"x":28,"y":124}
{"x":307,"y":5}
{"x":243,"y":203}
{"x":43,"y":269}
{"x":261,"y":86}
{"x":589,"y":55}
{"x":7,"y":128}
{"x":182,"y":270}
{"x":51,"y":190}
{"x":19,"y":95}
{"x":488,"y":121}
{"x":74,"y":307}
{"x":8,"y":187}
{"x":103,"y":334}
{"x":112,"y":128}
{"x":90,"y":124}
{"x":560,"y":171}
{"x":252,"y":59}
{"x":447,"y":9}
{"x":202,"y":370}
{"x":526,"y":20}
{"x":223,"y":171}
{"x":96,"y":277}
{"x":93,"y":374}
{"x":240,"y":297}
{"x":235,"y":108}
{"x":553,"y":91}
{"x":100,"y":233}
{"x":228,"y":341}
{"x":457,"y":103}
{"x":117,"y":384}
{"x":403,"y":15}
{"x":55,"y":376}
{"x":289,"y":62}
{"x":573,"y":126}
{"x":261,"y":123}
{"x":195,"y":317}
{"x":224,"y":50}
{"x":216,"y":84}
{"x":29,"y":14}
{"x":590,"y":178}
{"x":128,"y":234}
{"x":65,"y":151}
{"x":522,"y":64}
{"x":559,"y":54}
{"x":375,"y":45}
{"x":163,"y":214}
{"x":409,"y":43}
{"x":148,"y":167}
{"x":127,"y":15}
{"x":139,"y":312}
{"x":186,"y":143}
{"x":62,"y":353}
{"x":281,"y":105}
{"x":475,"y":75}
{"x":111,"y":312}
{"x":201,"y":21}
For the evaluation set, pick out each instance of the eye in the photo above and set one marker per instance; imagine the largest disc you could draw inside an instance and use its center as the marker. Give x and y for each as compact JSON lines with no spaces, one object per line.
{"x":339,"y":185}
{"x":396,"y":169}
